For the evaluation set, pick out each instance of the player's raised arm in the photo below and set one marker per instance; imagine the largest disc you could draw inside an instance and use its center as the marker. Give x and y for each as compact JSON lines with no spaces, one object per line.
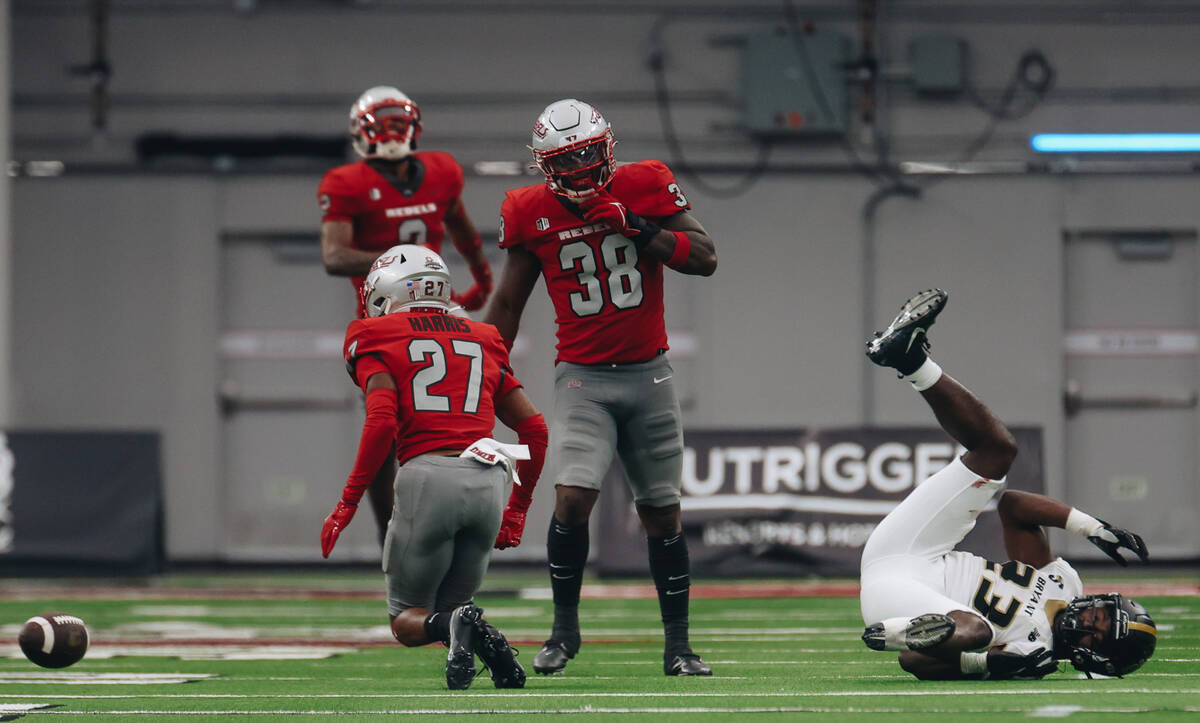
{"x":520,"y":275}
{"x":1023,"y":514}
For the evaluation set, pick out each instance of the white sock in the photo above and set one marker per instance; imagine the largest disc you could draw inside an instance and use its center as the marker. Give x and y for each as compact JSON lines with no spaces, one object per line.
{"x":895,"y":633}
{"x":926,"y":376}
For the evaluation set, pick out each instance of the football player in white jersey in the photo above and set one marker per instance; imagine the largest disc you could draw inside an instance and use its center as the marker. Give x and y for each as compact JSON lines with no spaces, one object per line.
{"x":954,"y":615}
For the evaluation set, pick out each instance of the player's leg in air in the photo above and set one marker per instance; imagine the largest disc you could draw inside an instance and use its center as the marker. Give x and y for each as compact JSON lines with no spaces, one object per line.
{"x":433,"y":568}
{"x":903,"y":589}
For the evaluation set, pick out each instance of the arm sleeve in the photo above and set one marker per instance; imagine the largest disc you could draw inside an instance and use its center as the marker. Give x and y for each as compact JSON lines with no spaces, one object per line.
{"x":379,"y":432}
{"x":532,"y":432}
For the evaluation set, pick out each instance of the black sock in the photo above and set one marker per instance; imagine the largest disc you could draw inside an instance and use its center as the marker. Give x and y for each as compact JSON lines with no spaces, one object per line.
{"x":437,"y":628}
{"x":566,"y":552}
{"x":670,"y":567}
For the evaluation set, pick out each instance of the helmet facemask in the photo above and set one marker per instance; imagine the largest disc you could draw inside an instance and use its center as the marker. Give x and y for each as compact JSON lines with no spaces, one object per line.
{"x":387,"y":129}
{"x":1129,"y":635}
{"x":578,"y":169}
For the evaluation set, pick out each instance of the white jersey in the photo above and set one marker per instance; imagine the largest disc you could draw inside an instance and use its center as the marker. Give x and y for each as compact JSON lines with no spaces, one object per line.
{"x":1018,"y":601}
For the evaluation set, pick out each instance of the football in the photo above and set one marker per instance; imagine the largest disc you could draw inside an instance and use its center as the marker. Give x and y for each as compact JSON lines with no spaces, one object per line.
{"x":54,"y":640}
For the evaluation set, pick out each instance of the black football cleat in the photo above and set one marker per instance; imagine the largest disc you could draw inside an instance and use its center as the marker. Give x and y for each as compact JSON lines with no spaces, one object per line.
{"x":904,"y":345}
{"x":685,"y":664}
{"x":926,"y":631}
{"x":553,"y":657}
{"x":460,"y":660}
{"x":499,"y":657}
{"x":923,"y":632}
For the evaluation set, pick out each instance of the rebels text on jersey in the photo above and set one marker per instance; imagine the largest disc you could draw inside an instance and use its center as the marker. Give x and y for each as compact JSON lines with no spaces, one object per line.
{"x":448,"y":371}
{"x":386,"y":212}
{"x":1018,"y":601}
{"x":608,"y":299}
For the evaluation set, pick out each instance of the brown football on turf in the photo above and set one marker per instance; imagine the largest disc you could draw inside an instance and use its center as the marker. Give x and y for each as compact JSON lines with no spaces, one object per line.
{"x":54,"y":640}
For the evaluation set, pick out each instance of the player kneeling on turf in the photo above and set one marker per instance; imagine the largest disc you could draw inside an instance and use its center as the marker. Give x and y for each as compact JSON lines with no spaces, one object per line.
{"x":955,"y":615}
{"x":435,"y":383}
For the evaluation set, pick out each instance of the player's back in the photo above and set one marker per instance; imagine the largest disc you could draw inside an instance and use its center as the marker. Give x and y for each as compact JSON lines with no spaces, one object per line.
{"x":448,"y":372}
{"x":1019,"y":601}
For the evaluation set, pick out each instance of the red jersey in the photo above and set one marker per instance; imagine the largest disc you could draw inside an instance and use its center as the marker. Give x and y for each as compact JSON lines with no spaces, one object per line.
{"x":608,"y":299}
{"x":386,"y":212}
{"x":448,"y":370}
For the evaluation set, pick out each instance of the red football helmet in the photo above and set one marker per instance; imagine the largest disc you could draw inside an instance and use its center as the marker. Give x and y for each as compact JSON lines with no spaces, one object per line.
{"x":573,"y":146}
{"x":384,"y":123}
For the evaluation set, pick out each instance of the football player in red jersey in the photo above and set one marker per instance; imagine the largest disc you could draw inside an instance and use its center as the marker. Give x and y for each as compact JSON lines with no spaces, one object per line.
{"x":601,"y":235}
{"x":395,"y":195}
{"x":435,"y":384}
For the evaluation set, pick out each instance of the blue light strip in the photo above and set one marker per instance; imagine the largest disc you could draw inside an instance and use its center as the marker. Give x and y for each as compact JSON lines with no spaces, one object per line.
{"x":1116,"y":142}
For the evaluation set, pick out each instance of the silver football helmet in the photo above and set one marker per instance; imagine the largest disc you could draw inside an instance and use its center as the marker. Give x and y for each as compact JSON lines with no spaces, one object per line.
{"x":384,"y":123}
{"x":406,"y":277}
{"x":573,"y":146}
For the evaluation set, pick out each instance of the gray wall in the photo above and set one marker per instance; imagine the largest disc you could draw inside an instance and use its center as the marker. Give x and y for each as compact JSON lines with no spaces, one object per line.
{"x":118,"y":270}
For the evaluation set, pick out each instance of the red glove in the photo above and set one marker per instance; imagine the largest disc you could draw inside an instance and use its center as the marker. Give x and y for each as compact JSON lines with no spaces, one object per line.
{"x":475,"y":297}
{"x":337,"y":521}
{"x":532,"y":432}
{"x":512,"y":527}
{"x":602,"y":207}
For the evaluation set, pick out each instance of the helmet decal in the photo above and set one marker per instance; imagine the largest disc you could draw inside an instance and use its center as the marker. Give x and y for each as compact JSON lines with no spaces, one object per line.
{"x":405,"y":277}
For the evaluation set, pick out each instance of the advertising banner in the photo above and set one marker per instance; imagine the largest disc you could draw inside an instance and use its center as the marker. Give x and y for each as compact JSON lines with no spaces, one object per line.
{"x":80,"y":503}
{"x":797,"y":501}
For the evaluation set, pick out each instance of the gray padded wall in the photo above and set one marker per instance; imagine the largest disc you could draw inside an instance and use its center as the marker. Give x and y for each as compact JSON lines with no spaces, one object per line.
{"x":117,"y":277}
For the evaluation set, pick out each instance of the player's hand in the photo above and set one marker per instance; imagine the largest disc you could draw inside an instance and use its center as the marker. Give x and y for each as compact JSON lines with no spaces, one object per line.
{"x":511,"y":528}
{"x":1111,"y":539}
{"x":604,"y":208}
{"x":476,"y":296}
{"x":1011,"y":666}
{"x":472,"y":299}
{"x":337,"y":521}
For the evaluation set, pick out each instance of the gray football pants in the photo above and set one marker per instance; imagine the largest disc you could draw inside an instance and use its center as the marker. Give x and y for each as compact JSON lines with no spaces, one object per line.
{"x":629,"y":409}
{"x":444,"y":522}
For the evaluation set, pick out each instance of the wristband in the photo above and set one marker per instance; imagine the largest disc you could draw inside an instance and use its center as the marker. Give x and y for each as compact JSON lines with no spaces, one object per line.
{"x":645,"y":230}
{"x":1081,"y":523}
{"x":683,"y":249}
{"x":973,"y":663}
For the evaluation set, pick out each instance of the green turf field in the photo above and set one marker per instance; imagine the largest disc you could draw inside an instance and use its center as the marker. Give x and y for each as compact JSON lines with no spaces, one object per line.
{"x":317,"y":647}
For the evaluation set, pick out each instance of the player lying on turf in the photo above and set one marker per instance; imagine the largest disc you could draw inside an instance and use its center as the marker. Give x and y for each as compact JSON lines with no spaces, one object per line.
{"x":435,"y":384}
{"x":955,"y":615}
